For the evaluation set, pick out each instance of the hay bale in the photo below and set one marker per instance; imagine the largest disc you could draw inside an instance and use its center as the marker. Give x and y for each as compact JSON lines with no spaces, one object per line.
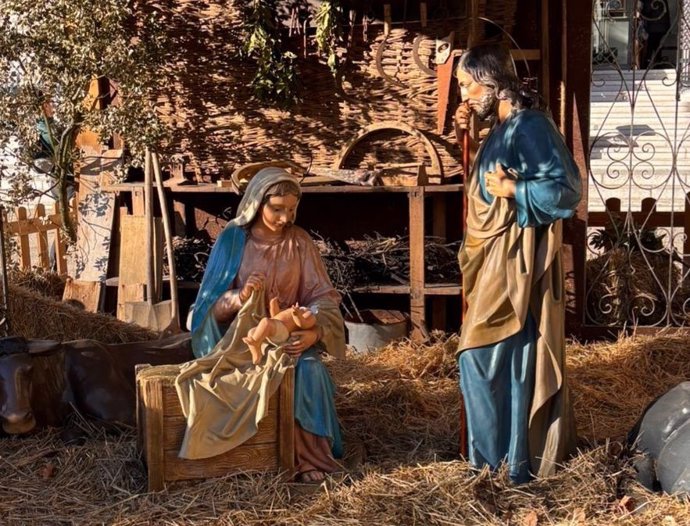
{"x":33,"y":315}
{"x":49,"y":284}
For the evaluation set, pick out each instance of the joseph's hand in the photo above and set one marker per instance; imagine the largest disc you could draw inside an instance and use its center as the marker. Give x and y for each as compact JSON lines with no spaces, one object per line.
{"x":499,"y":183}
{"x":462,"y":117}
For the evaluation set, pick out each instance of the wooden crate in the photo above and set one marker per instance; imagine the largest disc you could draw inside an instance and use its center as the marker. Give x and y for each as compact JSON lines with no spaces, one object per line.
{"x":161,"y":426}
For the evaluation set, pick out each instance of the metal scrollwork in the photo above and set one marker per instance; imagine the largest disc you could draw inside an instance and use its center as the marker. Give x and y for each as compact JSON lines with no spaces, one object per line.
{"x":638,"y":248}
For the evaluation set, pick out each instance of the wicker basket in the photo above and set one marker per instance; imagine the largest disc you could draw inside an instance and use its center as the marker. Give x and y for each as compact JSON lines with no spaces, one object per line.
{"x":219,"y":126}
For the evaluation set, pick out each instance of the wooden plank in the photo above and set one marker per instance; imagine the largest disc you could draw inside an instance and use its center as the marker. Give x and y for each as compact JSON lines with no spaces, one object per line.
{"x":545,"y":44}
{"x":24,"y":246}
{"x":416,"y":228}
{"x":190,"y":285}
{"x":60,"y":245}
{"x":383,"y":289}
{"x":286,"y":444}
{"x":140,"y":408}
{"x":43,"y":258}
{"x":158,"y":250}
{"x":325,"y":189}
{"x":31,"y":226}
{"x":174,"y":429}
{"x":95,"y":215}
{"x":127,"y":294}
{"x":387,"y":19}
{"x":442,"y":289}
{"x":132,"y":249}
{"x":526,"y":54}
{"x":138,"y":205}
{"x":259,"y":457}
{"x":85,"y":294}
{"x":152,"y":399}
{"x":474,"y":22}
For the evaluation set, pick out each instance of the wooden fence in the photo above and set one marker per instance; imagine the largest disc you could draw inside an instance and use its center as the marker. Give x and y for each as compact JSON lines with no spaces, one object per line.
{"x":648,"y":217}
{"x":26,"y":229}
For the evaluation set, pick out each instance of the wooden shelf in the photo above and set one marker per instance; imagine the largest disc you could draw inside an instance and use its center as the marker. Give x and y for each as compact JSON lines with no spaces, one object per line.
{"x":430,"y":289}
{"x":208,"y":188}
{"x":383,"y":289}
{"x":442,"y":289}
{"x":421,"y":294}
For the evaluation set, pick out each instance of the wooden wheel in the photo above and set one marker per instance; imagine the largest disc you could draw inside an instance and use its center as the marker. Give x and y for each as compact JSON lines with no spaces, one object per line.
{"x":435,"y":170}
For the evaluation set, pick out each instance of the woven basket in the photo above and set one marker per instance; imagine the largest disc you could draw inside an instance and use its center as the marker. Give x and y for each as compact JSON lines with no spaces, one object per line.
{"x":219,"y":127}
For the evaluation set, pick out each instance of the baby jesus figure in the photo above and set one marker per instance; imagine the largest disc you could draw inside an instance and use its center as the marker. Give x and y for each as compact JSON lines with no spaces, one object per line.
{"x":278,"y":327}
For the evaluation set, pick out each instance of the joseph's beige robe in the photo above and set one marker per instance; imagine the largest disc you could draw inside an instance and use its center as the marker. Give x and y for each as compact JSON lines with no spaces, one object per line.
{"x":506,"y":271}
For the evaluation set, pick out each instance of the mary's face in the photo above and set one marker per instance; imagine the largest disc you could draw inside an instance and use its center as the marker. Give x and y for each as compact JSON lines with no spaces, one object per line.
{"x":279,"y":212}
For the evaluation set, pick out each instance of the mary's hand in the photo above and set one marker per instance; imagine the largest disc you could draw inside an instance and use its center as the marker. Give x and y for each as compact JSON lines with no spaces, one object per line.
{"x":254,"y":282}
{"x":300,"y":341}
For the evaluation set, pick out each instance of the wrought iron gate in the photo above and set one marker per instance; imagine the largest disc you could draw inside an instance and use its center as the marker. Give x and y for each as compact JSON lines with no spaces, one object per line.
{"x":638,"y":231}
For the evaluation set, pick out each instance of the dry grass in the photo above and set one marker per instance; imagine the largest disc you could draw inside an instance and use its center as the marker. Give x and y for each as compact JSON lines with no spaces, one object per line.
{"x":617,"y":300}
{"x":399,"y":408}
{"x":49,"y":284}
{"x":613,"y":382}
{"x":33,"y":315}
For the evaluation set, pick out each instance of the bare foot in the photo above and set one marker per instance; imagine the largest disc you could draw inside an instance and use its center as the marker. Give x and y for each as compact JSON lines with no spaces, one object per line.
{"x":310,"y":477}
{"x":254,"y":348}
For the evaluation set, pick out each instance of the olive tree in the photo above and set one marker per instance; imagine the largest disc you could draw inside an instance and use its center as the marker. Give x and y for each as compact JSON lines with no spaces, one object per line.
{"x":50,"y":55}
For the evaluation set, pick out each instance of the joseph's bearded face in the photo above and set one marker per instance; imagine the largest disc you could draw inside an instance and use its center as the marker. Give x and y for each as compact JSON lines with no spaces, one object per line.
{"x":481,"y":99}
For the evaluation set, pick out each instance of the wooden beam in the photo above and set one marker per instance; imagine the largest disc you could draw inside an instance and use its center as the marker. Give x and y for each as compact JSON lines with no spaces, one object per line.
{"x":417,"y":298}
{"x":545,"y":44}
{"x":526,"y":54}
{"x":576,"y":32}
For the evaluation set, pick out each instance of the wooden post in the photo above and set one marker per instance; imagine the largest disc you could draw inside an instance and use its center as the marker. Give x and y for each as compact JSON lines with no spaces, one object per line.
{"x":140,"y":412}
{"x":576,"y":35}
{"x":42,"y":234}
{"x":24,"y":247}
{"x":60,"y":247}
{"x":648,"y":207}
{"x":151,"y":393}
{"x":545,"y":80}
{"x":613,"y":204}
{"x":474,"y":21}
{"x":417,"y":311}
{"x":387,"y":20}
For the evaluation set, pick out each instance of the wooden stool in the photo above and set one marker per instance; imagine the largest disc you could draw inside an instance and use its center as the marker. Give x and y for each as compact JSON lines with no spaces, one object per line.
{"x":161,"y":427}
